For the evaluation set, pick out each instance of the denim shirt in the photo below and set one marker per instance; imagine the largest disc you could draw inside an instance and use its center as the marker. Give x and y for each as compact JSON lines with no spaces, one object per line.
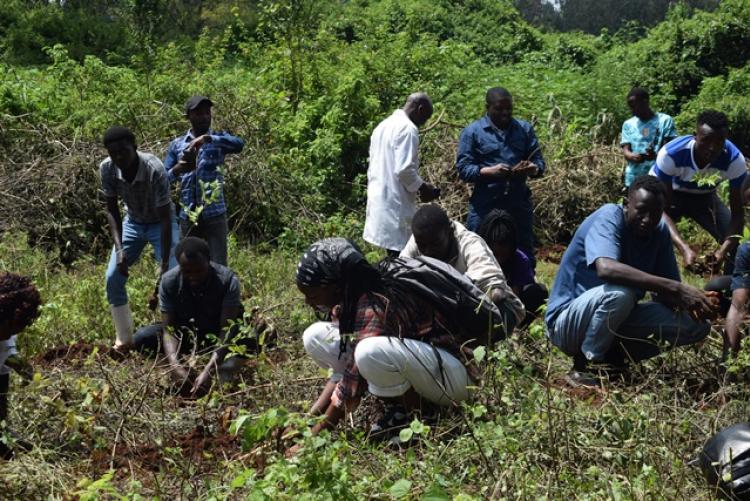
{"x":210,"y":156}
{"x":483,"y":145}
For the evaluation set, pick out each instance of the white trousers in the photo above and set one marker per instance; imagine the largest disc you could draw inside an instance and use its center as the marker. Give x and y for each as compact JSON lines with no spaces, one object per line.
{"x":390,"y":365}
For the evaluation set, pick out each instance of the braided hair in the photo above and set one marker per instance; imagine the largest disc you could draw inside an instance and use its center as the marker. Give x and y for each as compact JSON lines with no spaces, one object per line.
{"x":498,"y":226}
{"x":19,"y":299}
{"x":338,"y":261}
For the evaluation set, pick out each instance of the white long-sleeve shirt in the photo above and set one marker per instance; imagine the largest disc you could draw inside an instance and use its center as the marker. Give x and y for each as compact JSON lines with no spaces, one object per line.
{"x":392,"y":182}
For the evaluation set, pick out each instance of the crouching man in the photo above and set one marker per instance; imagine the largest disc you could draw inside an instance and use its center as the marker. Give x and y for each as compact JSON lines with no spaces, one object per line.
{"x":436,"y":236}
{"x":383,"y":338}
{"x":201,"y":313}
{"x":617,"y":254}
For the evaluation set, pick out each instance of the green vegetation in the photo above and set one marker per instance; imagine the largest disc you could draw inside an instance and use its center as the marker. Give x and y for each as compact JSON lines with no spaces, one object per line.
{"x":305,"y":82}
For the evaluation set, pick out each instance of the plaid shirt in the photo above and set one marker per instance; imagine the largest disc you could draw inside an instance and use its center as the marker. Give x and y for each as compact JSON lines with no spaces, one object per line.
{"x":368,"y":322}
{"x":148,"y":192}
{"x":210,"y":156}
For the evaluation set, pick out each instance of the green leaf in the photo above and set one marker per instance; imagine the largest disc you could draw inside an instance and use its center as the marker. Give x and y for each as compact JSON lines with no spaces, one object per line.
{"x":479,"y":353}
{"x":238,"y":423}
{"x":405,"y":434}
{"x":400,"y":489}
{"x":435,"y":493}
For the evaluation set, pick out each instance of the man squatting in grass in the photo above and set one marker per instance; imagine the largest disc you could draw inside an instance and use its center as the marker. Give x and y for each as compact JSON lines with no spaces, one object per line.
{"x":201,"y":311}
{"x":499,"y":231}
{"x":436,"y":236}
{"x":19,"y":306}
{"x":617,"y":254}
{"x":643,"y":135}
{"x":740,"y":286}
{"x":140,"y":181}
{"x":681,"y":164}
{"x":194,"y":158}
{"x":393,"y":179}
{"x":497,"y":153}
{"x":382,"y":337}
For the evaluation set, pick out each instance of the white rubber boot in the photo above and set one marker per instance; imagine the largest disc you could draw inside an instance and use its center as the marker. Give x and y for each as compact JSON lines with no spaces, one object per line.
{"x":123,"y":320}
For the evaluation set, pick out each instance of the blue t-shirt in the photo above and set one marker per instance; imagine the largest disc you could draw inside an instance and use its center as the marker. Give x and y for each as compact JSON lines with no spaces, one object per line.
{"x":741,"y":275}
{"x":642,"y":134}
{"x":604,"y":234}
{"x":675,"y":163}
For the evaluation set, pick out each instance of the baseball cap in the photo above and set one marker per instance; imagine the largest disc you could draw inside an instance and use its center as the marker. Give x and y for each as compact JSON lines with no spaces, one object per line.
{"x":196,"y":101}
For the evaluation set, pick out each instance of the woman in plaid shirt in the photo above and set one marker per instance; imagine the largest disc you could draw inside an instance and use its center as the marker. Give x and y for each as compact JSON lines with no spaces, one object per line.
{"x":381,"y":338}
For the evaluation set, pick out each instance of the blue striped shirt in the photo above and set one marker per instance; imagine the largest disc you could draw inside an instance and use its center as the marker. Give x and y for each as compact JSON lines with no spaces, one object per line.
{"x":676,"y":163}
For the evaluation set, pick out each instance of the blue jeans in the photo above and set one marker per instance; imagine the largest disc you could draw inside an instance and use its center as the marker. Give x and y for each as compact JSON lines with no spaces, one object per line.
{"x":600,"y":316}
{"x":135,"y":236}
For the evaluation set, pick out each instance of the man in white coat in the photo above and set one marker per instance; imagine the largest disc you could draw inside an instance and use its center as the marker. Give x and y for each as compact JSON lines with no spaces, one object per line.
{"x":393,"y":179}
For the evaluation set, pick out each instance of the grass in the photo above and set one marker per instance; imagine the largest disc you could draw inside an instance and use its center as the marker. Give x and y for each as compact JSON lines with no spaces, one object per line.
{"x":106,"y":429}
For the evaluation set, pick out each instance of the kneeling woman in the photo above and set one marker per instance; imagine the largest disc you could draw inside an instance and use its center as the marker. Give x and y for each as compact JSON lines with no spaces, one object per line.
{"x":381,"y":338}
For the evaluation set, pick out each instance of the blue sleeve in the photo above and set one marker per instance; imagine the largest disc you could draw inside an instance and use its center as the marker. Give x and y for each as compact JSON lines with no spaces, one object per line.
{"x":534,"y":150}
{"x":666,"y":262}
{"x":227,"y":142}
{"x":741,"y":276}
{"x":603,"y":237}
{"x":626,"y":134}
{"x":466,"y":161}
{"x":173,"y":156}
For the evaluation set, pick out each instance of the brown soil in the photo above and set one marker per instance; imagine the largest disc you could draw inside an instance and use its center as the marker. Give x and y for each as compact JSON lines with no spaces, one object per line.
{"x":551,"y":253}
{"x":75,"y":353}
{"x":193,"y":445}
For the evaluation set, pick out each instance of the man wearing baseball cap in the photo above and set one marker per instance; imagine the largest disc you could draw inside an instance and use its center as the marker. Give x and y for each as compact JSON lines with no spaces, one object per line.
{"x":194,"y":159}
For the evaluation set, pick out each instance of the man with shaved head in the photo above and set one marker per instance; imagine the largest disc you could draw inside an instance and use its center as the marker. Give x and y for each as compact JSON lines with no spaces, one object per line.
{"x":393,"y":179}
{"x":497,"y":153}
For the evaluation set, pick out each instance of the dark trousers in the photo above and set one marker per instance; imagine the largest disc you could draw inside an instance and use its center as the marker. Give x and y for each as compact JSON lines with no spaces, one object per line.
{"x":4,"y":387}
{"x":148,"y":340}
{"x":532,"y":296}
{"x":214,"y":231}
{"x":708,"y":211}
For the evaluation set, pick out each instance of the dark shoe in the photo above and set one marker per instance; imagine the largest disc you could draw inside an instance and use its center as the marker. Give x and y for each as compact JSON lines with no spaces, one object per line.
{"x":580,"y":379}
{"x":389,"y":424}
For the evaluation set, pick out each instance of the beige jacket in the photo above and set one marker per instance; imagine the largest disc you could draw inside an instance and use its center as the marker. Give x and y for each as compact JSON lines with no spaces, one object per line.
{"x":476,"y":261}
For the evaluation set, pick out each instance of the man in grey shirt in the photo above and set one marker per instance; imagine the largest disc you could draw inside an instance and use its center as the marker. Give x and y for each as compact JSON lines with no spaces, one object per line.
{"x":140,"y":181}
{"x":201,"y":312}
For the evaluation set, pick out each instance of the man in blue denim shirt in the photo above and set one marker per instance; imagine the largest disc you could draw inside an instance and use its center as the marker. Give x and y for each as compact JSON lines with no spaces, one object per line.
{"x":194,"y":159}
{"x":497,"y":153}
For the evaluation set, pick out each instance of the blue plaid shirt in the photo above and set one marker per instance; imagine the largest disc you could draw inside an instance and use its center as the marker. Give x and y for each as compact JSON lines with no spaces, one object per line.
{"x":210,"y":156}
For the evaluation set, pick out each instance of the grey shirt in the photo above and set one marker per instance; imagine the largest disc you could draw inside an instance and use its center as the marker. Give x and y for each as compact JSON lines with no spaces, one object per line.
{"x":148,"y":192}
{"x":199,"y":309}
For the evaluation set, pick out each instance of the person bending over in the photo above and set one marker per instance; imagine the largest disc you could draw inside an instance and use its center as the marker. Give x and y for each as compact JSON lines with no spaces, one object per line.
{"x":201,"y":312}
{"x":436,"y":236}
{"x":19,"y":306}
{"x":383,"y":339}
{"x":499,"y":231}
{"x":619,"y":252}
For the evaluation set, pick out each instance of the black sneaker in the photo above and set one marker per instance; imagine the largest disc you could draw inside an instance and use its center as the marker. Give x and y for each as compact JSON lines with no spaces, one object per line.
{"x":581,"y":379}
{"x":393,"y":420}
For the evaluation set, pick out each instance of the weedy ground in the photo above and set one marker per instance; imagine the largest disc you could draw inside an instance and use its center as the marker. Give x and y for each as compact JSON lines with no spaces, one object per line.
{"x":105,"y":428}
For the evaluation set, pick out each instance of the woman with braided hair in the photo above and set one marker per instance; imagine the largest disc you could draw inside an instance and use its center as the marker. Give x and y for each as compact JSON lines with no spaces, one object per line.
{"x":499,"y":230}
{"x":380,"y":337}
{"x":19,"y":306}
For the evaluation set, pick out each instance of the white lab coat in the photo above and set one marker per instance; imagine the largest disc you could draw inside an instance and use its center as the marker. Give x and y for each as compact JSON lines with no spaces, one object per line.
{"x":392,"y":182}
